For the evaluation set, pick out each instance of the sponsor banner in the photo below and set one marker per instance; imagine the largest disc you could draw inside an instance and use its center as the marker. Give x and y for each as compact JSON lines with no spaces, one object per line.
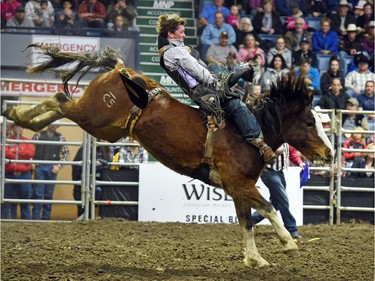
{"x":36,"y":89}
{"x":166,"y":196}
{"x":65,"y":44}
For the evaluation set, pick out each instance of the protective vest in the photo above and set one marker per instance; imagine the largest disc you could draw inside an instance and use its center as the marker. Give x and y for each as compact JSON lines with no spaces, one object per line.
{"x":175,"y":75}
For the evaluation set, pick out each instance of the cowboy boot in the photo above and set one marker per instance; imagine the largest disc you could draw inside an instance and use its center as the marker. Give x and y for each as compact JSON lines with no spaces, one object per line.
{"x":268,"y":155}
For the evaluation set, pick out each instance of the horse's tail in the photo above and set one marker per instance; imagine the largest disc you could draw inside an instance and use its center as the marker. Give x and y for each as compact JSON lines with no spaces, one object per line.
{"x":107,"y":58}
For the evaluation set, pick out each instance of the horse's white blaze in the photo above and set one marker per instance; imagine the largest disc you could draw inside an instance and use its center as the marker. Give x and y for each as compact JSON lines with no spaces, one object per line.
{"x":252,"y":256}
{"x":320,"y":130}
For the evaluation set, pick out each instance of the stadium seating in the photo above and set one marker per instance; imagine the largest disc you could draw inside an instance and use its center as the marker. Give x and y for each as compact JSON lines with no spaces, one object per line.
{"x":271,"y":37}
{"x":313,"y":22}
{"x":345,"y":61}
{"x":323,"y":62}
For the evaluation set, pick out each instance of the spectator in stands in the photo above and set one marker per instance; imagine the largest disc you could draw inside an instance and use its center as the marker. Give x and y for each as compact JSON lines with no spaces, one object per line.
{"x":245,"y":28}
{"x":341,"y":20}
{"x":234,"y":17}
{"x":17,"y":171}
{"x":217,"y":54}
{"x":211,"y":33}
{"x":370,"y":160}
{"x":47,"y":171}
{"x":249,"y":50}
{"x":267,"y":21}
{"x":119,"y":28}
{"x":332,"y":6}
{"x":65,"y":21}
{"x":121,"y":8}
{"x":275,"y":71}
{"x":366,"y":102}
{"x":280,"y":49}
{"x":332,"y":72}
{"x":359,"y":9}
{"x":336,"y":98}
{"x":207,"y":15}
{"x":312,"y":79}
{"x":258,"y":59}
{"x":8,"y":10}
{"x":355,"y":159}
{"x":304,"y":53}
{"x":20,"y":20}
{"x":293,"y":37}
{"x":289,"y":8}
{"x":34,"y":12}
{"x":314,"y":8}
{"x":368,"y":40}
{"x":368,"y":16}
{"x":134,"y":153}
{"x":91,"y":13}
{"x":47,"y":15}
{"x":255,"y":6}
{"x":355,"y":80}
{"x":274,"y":179}
{"x":232,"y":62}
{"x":352,"y":42}
{"x":352,"y":120}
{"x":325,"y":40}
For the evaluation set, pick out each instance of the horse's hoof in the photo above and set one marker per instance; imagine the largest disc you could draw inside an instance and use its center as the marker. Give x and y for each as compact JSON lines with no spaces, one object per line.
{"x":256,"y":264}
{"x":292,"y":253}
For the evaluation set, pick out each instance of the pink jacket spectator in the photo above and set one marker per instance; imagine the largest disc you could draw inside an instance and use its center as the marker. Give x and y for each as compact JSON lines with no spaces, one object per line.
{"x":8,"y":8}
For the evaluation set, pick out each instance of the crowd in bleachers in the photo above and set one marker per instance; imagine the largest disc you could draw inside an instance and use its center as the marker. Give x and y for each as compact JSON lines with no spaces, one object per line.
{"x":69,"y":17}
{"x":331,"y":42}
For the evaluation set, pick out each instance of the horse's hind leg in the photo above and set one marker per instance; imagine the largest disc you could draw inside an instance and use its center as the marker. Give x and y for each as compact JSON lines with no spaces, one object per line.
{"x":37,"y":116}
{"x":252,"y":257}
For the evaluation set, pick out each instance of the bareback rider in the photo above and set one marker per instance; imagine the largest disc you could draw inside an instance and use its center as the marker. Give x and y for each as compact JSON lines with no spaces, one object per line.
{"x":183,"y":65}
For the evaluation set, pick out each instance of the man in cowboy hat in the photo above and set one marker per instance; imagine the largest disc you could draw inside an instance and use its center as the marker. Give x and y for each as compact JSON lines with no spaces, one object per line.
{"x":341,"y":20}
{"x":352,"y":42}
{"x":355,"y":80}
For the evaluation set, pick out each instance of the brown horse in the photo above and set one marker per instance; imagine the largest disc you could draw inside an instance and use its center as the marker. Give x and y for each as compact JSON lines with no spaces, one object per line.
{"x":175,"y":133}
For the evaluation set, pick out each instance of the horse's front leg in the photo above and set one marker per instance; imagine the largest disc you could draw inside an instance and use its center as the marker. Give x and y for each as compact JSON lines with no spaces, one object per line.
{"x":290,"y":247}
{"x":252,"y":257}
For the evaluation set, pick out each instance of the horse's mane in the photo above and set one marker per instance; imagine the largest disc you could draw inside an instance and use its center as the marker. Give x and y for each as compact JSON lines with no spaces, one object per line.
{"x":270,"y":110}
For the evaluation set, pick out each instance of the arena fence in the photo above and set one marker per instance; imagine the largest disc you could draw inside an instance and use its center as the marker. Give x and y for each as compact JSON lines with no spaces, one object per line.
{"x":88,"y":182}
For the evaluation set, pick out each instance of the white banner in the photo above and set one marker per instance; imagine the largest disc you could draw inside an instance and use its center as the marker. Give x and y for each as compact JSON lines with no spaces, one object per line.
{"x":166,"y":196}
{"x":65,"y":44}
{"x":37,"y":89}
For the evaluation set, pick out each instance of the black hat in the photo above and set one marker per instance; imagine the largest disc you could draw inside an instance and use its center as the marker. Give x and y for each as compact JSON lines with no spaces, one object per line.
{"x":361,"y":58}
{"x":20,"y":9}
{"x":224,"y":34}
{"x":304,"y":39}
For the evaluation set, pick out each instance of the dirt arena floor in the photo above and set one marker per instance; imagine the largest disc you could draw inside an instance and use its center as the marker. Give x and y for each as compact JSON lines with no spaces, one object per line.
{"x":121,"y":250}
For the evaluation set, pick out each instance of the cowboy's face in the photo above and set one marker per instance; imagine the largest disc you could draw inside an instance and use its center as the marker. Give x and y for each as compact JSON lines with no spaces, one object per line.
{"x":178,"y":34}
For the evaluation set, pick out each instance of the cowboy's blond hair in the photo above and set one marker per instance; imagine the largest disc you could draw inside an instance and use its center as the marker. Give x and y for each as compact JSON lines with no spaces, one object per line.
{"x":168,"y":23}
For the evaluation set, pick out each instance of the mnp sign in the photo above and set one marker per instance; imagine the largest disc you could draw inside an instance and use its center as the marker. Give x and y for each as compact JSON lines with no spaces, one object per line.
{"x":166,"y":196}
